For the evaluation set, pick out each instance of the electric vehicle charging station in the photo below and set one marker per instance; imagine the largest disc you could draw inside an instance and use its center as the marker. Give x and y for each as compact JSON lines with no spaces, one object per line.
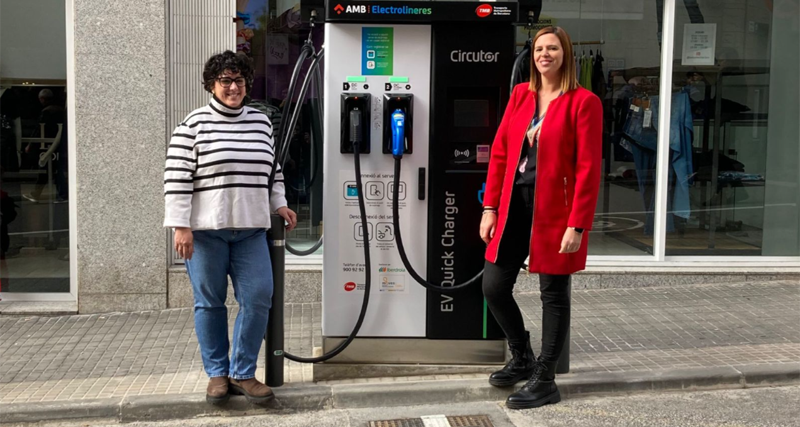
{"x":405,"y":75}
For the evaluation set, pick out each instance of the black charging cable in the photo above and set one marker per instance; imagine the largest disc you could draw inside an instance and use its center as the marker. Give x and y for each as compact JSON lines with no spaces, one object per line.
{"x":398,"y":159}
{"x":356,"y":136}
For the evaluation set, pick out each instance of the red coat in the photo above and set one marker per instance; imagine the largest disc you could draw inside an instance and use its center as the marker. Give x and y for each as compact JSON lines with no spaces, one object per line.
{"x":567,"y":174}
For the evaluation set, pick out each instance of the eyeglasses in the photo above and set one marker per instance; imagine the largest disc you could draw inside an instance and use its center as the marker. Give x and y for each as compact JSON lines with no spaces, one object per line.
{"x":226,"y":81}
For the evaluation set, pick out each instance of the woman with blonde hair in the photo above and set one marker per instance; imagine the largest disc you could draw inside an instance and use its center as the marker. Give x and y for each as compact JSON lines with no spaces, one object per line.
{"x":541,"y":192}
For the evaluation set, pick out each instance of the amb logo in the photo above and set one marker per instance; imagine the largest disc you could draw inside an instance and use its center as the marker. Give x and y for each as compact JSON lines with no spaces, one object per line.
{"x":483,"y":10}
{"x":350,"y":9}
{"x":349,"y":286}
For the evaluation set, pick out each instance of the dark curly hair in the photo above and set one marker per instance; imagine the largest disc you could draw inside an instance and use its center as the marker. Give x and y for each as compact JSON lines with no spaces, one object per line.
{"x":233,"y":62}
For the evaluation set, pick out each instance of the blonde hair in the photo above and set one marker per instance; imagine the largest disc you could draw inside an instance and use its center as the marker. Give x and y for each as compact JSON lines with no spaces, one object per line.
{"x":569,"y":80}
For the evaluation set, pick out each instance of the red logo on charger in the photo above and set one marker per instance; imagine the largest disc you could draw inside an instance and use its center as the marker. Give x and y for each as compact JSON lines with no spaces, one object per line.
{"x":339,"y":9}
{"x":483,"y":10}
{"x":349,"y":286}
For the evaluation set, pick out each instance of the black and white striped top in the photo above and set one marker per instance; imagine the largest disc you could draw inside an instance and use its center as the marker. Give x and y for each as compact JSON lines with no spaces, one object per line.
{"x":218,"y":166}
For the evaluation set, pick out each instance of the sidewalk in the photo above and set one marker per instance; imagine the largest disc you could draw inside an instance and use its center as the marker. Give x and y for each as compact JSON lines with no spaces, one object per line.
{"x":721,"y":335}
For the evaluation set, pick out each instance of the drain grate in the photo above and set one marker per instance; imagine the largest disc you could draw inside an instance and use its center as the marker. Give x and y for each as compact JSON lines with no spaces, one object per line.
{"x":470,"y":421}
{"x":437,"y":421}
{"x":411,"y":422}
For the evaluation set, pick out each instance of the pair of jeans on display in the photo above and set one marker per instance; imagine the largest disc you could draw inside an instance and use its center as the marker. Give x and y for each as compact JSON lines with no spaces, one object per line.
{"x":499,"y":279}
{"x":642,"y":143}
{"x":244,"y":255}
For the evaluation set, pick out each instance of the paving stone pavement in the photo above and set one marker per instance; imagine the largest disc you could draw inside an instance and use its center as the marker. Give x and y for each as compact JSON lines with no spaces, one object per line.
{"x":613,"y":330}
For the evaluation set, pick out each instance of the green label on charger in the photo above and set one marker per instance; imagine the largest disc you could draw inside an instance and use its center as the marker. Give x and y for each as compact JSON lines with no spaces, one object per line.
{"x":356,"y":79}
{"x":398,"y":79}
{"x":377,"y":51}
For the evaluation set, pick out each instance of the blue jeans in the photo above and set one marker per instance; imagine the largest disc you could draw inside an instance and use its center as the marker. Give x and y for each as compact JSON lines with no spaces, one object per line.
{"x":244,"y":255}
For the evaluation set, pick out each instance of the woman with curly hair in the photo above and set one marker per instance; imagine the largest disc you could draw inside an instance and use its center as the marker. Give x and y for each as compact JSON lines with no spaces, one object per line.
{"x":218,"y":199}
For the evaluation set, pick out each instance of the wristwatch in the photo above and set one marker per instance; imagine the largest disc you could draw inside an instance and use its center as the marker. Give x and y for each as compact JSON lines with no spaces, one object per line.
{"x":578,"y":230}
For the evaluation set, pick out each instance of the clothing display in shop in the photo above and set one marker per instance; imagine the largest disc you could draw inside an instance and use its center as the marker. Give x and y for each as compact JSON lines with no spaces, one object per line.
{"x":739,"y":177}
{"x":704,"y":165}
{"x":587,"y":66}
{"x":619,"y":99}
{"x":730,"y":171}
{"x":598,"y":80}
{"x":641,"y":132}
{"x":589,"y":72}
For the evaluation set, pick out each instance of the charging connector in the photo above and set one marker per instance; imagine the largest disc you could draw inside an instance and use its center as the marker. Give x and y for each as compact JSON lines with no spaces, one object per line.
{"x":398,"y":133}
{"x":392,"y":104}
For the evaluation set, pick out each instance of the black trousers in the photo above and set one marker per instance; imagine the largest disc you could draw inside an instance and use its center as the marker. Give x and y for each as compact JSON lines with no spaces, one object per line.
{"x":499,"y":279}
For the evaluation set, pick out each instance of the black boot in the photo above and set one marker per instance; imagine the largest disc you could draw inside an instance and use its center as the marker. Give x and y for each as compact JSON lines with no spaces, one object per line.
{"x":539,"y":390}
{"x":519,"y":367}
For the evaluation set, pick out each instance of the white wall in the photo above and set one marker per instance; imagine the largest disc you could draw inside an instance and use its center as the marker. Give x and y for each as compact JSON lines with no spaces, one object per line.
{"x":33,"y":39}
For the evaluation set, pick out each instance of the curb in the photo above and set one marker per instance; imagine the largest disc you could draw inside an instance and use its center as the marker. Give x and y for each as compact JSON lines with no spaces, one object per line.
{"x":312,"y":397}
{"x":32,"y":412}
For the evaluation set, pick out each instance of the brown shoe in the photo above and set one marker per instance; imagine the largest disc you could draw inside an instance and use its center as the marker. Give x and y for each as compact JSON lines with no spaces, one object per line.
{"x":217,"y":391}
{"x":253,"y":390}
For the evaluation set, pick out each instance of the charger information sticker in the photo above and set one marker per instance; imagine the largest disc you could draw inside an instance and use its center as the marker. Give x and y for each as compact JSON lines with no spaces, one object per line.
{"x":377,"y":51}
{"x":392,"y":283}
{"x":388,"y":274}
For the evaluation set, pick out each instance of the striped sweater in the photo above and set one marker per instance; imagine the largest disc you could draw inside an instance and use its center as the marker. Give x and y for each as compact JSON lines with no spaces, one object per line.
{"x":218,"y":165}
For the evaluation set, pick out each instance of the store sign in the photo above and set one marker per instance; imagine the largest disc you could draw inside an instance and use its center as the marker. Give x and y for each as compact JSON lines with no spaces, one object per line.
{"x":419,"y":11}
{"x":381,"y":10}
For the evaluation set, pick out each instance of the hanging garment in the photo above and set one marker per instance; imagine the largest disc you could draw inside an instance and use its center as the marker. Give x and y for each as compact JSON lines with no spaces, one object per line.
{"x":644,"y":136}
{"x":598,"y":81}
{"x":586,"y":72}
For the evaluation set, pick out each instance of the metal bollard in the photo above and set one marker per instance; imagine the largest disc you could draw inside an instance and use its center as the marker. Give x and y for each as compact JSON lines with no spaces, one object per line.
{"x":563,"y":361}
{"x":274,"y":333}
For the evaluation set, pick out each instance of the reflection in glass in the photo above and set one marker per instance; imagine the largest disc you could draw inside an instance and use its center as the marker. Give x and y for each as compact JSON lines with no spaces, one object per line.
{"x":34,"y":236}
{"x":273,"y":38}
{"x":618,"y":58}
{"x":742,"y":94}
{"x":35,"y":226}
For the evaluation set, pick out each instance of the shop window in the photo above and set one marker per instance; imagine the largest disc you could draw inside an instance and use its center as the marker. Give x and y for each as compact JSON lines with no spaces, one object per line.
{"x":736,"y":69}
{"x":33,"y":148}
{"x":617,"y":57}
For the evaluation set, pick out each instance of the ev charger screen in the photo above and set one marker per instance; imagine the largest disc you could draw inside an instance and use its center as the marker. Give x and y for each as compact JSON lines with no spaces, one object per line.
{"x":471,"y":113}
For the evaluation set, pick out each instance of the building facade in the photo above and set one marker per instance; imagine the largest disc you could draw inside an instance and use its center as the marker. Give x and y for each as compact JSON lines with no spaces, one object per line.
{"x":90,"y":92}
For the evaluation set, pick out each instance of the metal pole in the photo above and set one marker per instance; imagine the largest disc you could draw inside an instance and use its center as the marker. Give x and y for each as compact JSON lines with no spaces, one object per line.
{"x":712,"y":225}
{"x":51,"y":186}
{"x":563,"y":361}
{"x":274,"y":333}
